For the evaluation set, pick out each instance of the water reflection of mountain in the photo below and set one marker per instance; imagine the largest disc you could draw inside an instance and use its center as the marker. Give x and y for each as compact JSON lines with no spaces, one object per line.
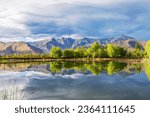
{"x":44,"y":68}
{"x":14,"y":67}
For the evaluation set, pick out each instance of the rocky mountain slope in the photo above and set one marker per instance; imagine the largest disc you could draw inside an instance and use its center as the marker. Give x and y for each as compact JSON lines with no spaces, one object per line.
{"x":63,"y":43}
{"x":45,"y":45}
{"x":18,"y":48}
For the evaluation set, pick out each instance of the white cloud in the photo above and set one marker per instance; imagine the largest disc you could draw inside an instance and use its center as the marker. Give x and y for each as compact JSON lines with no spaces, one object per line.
{"x":26,"y":19}
{"x":76,"y":76}
{"x":74,"y":36}
{"x":45,"y":2}
{"x":12,"y":24}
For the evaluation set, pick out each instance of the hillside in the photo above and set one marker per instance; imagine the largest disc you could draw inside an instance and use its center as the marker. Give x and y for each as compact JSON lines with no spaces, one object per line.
{"x":18,"y":48}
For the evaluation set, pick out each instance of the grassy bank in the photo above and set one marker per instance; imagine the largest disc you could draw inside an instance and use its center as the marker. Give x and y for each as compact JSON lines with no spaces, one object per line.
{"x":18,"y":60}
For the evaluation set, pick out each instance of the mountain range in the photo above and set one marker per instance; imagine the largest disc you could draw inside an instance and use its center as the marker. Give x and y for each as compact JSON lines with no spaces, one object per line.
{"x":44,"y":46}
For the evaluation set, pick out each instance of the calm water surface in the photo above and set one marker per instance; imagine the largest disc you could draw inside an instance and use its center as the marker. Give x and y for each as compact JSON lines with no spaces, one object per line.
{"x":72,"y":80}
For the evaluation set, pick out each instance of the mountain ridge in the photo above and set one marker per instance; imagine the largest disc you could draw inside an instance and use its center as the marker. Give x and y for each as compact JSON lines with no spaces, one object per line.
{"x":18,"y":48}
{"x":44,"y":46}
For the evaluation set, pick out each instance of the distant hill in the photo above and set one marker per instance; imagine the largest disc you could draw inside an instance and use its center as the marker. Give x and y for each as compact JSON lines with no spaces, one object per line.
{"x":44,"y":46}
{"x":63,"y":43}
{"x":127,"y":42}
{"x":18,"y":48}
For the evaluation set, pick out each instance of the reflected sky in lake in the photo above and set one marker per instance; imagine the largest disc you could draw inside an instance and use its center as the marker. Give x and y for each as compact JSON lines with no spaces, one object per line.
{"x":70,"y":80}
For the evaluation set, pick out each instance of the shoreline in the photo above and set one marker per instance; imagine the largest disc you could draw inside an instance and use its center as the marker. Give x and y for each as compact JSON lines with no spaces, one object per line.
{"x":22,"y":60}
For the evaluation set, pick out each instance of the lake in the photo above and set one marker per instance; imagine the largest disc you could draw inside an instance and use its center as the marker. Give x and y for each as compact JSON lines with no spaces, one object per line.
{"x":106,"y":80}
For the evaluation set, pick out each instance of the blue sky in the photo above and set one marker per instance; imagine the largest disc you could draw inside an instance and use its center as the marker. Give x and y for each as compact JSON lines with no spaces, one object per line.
{"x":28,"y":20}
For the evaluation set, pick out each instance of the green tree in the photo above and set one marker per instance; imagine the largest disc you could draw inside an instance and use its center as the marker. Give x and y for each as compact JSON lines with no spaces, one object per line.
{"x":68,"y":53}
{"x":147,"y":48}
{"x":78,"y":53}
{"x":99,"y":53}
{"x":95,"y":46}
{"x":84,"y":51}
{"x":116,"y":51}
{"x":138,"y":46}
{"x":120,"y":51}
{"x":89,"y":52}
{"x":111,"y":50}
{"x":96,"y":50}
{"x":138,"y":52}
{"x":55,"y":52}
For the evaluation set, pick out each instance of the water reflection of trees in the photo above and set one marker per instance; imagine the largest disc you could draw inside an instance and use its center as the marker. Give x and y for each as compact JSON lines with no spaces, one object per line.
{"x":111,"y":67}
{"x":94,"y":67}
{"x":147,"y":70}
{"x":55,"y":66}
{"x":114,"y":67}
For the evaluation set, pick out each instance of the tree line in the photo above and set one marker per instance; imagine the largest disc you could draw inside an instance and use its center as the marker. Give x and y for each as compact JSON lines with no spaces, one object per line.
{"x":98,"y":51}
